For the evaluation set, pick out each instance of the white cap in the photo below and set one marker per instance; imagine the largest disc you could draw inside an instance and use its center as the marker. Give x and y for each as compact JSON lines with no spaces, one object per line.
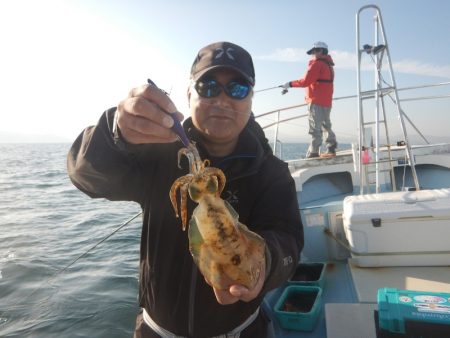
{"x":318,"y":44}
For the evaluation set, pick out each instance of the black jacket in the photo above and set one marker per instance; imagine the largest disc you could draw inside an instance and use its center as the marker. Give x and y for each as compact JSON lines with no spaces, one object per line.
{"x":259,"y":187}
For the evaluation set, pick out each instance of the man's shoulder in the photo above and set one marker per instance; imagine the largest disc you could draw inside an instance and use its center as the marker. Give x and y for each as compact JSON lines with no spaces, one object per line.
{"x":258,"y":135}
{"x":326,"y":59}
{"x":274,"y":166}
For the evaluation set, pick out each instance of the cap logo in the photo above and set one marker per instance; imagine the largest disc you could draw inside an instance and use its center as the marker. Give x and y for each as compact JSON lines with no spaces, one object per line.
{"x":220,"y":52}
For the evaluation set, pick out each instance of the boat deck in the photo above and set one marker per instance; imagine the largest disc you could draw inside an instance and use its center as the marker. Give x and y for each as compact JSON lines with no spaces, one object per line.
{"x":349,"y":297}
{"x":338,"y":289}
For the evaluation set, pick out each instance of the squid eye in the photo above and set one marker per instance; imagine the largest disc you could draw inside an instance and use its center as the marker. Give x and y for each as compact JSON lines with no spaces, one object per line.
{"x":212,"y":184}
{"x":194,"y":193}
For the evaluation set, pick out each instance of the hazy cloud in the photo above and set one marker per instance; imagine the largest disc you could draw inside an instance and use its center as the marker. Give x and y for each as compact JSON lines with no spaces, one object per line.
{"x":347,"y":60}
{"x":415,"y":67}
{"x":285,"y":55}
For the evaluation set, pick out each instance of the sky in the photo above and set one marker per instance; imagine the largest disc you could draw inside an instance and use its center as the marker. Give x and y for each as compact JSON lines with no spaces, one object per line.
{"x":62,"y":63}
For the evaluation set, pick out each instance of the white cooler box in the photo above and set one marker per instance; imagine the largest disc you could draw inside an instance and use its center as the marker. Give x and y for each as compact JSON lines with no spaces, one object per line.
{"x":406,"y":228}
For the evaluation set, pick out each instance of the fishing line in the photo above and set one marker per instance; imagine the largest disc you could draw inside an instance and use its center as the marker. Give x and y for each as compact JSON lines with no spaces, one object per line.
{"x":56,"y":274}
{"x":93,"y":247}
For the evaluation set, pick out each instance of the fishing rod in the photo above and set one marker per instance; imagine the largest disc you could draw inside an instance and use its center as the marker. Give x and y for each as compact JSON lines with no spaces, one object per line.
{"x":57,"y":273}
{"x":263,"y":90}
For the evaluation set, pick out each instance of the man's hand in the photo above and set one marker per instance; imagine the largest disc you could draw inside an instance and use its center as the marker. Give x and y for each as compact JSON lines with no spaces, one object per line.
{"x":239,"y":292}
{"x":285,"y":87}
{"x":142,"y":116}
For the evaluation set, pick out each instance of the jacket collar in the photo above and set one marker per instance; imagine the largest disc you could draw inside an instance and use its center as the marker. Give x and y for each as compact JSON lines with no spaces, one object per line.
{"x":327,"y":58}
{"x":252,"y":148}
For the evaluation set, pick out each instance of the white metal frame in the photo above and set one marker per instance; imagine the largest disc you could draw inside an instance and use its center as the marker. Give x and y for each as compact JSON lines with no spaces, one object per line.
{"x":380,"y":91}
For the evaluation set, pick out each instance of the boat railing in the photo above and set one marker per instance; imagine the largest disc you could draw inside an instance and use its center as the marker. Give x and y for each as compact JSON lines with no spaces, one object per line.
{"x":279,"y":119}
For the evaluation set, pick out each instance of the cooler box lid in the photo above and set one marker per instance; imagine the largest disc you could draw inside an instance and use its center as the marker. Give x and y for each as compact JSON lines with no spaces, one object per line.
{"x":395,"y":205}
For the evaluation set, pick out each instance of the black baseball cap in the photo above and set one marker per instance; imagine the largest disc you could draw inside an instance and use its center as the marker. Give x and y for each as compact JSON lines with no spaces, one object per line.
{"x":223,"y":55}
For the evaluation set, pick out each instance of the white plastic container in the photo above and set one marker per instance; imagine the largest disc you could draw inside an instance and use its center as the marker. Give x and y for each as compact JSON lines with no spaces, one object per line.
{"x":406,"y":228}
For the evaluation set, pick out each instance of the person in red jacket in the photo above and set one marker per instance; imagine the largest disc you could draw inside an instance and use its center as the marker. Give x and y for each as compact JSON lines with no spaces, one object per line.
{"x":318,"y":81}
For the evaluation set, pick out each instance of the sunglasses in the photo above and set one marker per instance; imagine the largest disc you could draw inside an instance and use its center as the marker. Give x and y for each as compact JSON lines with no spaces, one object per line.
{"x":236,"y":89}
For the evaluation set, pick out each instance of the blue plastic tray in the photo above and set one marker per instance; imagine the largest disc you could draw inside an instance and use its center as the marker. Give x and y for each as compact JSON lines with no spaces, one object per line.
{"x":299,"y":307}
{"x":309,"y":274}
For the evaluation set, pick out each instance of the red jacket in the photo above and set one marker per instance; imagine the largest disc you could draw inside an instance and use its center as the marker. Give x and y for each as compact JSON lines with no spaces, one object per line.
{"x":318,"y":80}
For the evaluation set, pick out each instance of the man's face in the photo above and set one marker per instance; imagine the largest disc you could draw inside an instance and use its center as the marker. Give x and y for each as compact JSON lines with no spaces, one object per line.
{"x":221,"y":118}
{"x":317,"y":52}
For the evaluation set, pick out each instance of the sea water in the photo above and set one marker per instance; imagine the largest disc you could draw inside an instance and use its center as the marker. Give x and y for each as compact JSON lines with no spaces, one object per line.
{"x":49,"y":287}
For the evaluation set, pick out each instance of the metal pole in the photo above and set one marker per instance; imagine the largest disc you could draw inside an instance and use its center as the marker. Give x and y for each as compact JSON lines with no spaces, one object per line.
{"x":360,"y":118}
{"x":399,"y":112}
{"x":377,"y":108}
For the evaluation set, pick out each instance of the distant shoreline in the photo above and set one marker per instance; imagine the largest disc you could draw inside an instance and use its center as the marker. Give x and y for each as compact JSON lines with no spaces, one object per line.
{"x":38,"y":142}
{"x":14,"y":138}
